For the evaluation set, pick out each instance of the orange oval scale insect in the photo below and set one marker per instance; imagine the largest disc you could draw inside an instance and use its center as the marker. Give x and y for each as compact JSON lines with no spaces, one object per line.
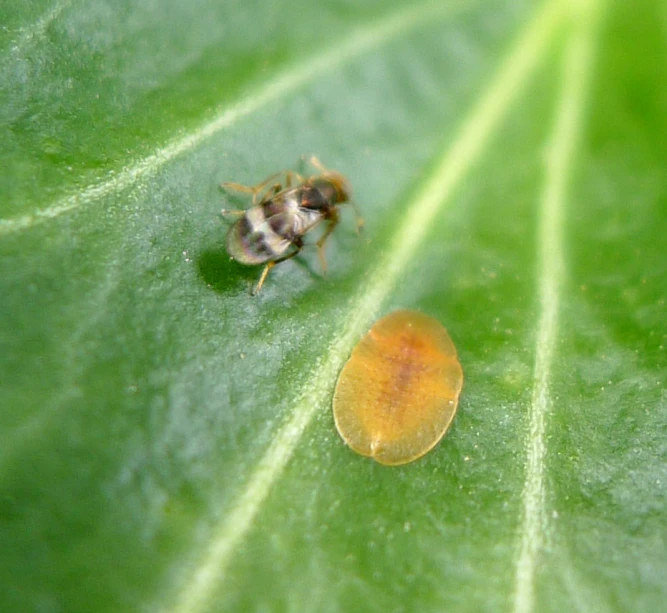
{"x":397,"y":394}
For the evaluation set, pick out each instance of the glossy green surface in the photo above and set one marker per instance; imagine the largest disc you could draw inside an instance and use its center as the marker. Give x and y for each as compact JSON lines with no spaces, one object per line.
{"x":166,"y":439}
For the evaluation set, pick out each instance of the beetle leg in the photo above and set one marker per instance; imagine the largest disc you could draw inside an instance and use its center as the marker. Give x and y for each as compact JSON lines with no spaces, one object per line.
{"x":262,"y":277}
{"x":232,"y":213}
{"x":271,"y":264}
{"x":290,"y":175}
{"x":333,"y":222}
{"x":237,"y":187}
{"x":315,"y":163}
{"x":256,"y":189}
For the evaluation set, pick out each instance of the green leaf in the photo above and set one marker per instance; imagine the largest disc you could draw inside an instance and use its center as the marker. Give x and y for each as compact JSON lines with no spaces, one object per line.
{"x":167,"y":442}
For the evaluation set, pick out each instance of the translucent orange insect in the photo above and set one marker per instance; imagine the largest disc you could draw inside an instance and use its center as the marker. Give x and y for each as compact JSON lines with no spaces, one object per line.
{"x":397,"y":394}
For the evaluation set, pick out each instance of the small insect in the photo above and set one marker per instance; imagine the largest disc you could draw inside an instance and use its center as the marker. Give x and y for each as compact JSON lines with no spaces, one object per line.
{"x":272,"y":230}
{"x":397,"y":394}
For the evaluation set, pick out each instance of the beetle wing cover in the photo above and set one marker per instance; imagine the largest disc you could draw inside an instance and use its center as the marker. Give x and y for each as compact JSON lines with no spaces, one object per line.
{"x":253,"y":240}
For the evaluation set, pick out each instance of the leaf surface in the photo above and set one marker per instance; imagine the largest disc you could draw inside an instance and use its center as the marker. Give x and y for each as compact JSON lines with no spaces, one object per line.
{"x":166,"y":439}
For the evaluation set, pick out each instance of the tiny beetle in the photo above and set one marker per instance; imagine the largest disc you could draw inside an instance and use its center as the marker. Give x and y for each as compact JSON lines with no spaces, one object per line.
{"x":281,"y":216}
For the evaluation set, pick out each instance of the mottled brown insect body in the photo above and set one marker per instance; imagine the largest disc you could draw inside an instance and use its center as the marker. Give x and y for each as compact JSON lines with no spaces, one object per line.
{"x":397,"y":394}
{"x":272,"y":230}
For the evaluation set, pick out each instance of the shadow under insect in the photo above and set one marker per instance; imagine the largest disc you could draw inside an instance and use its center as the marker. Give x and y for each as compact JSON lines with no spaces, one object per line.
{"x":220,"y":272}
{"x":223,"y":274}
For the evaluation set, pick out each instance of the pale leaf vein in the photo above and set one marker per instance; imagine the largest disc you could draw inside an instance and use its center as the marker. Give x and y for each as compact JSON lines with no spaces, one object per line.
{"x":575,"y":76}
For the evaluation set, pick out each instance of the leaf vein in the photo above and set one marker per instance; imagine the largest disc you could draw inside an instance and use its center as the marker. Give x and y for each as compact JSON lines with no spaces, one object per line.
{"x":575,"y":77}
{"x":287,"y":81}
{"x":31,"y":34}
